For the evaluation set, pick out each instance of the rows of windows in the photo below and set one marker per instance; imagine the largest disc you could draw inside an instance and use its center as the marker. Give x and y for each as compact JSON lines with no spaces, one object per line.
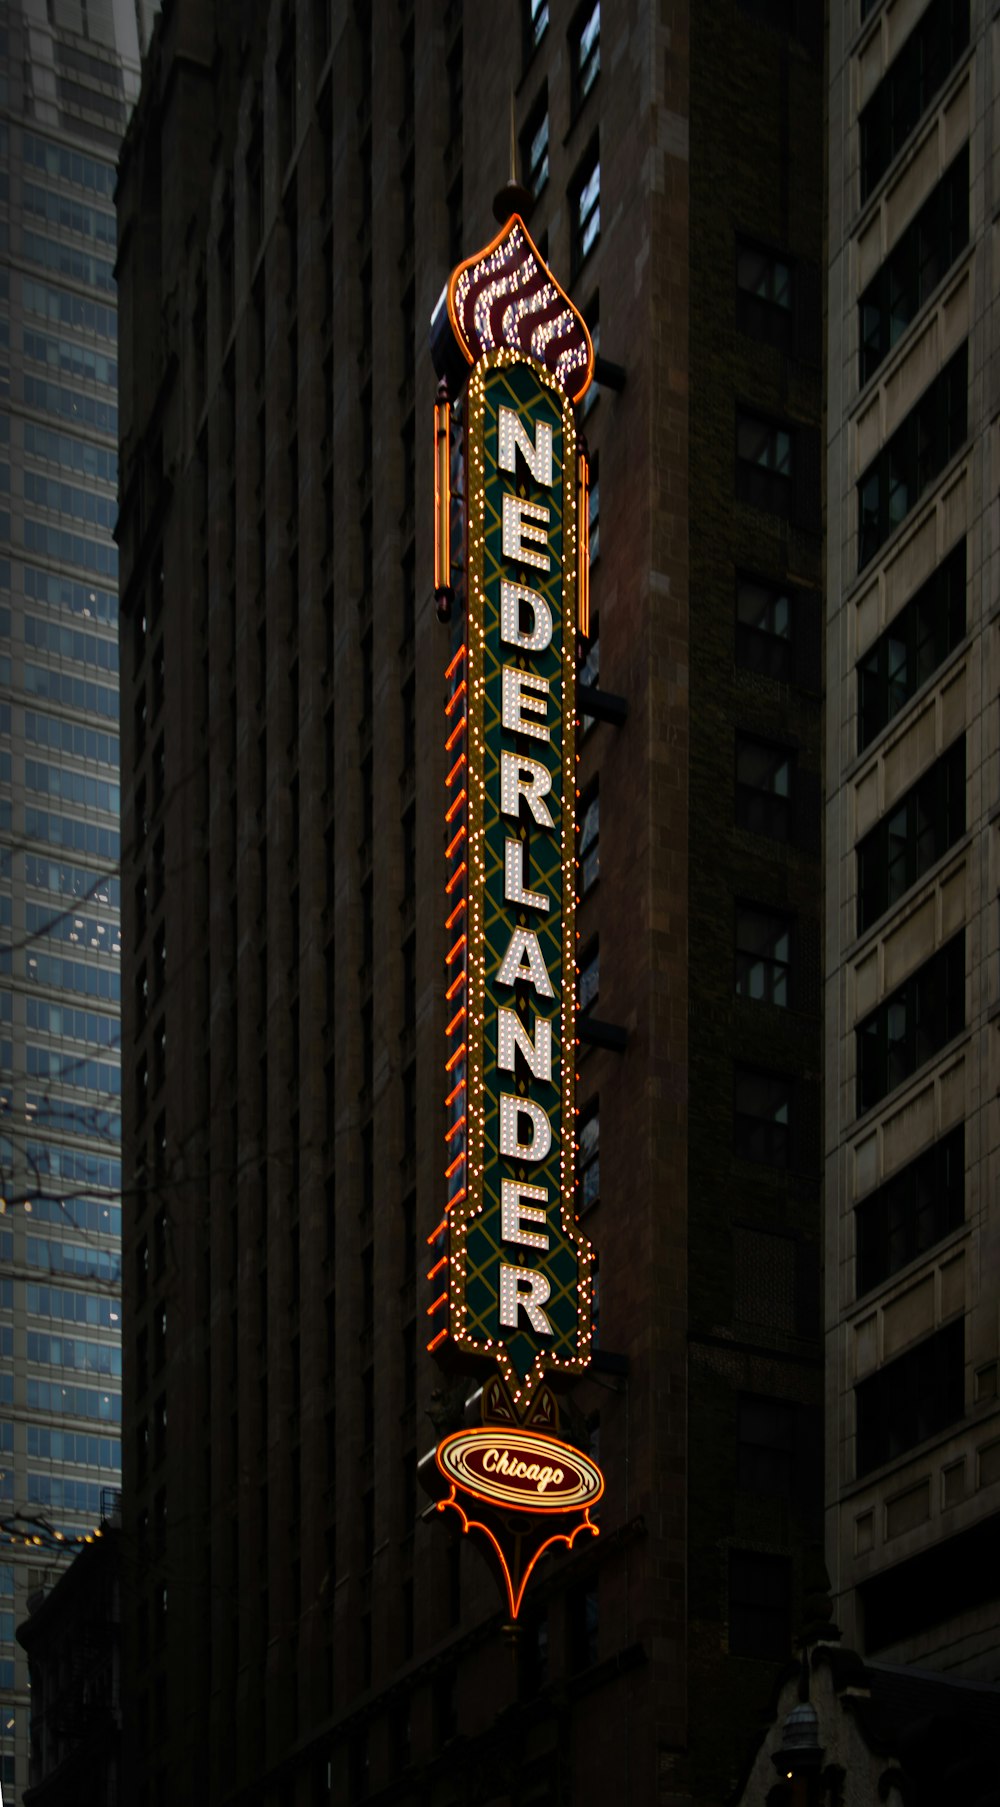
{"x":70,"y":215}
{"x":82,"y":599}
{"x":65,"y":1494}
{"x":84,"y":504}
{"x":73,"y":975}
{"x":92,"y":1120}
{"x":71,"y":359}
{"x":72,"y":881}
{"x":915,"y":455}
{"x":912,"y":1024}
{"x":73,"y":1446}
{"x":70,"y":643}
{"x":62,"y":307}
{"x":91,"y":1214}
{"x":68,"y":1069}
{"x":70,"y":404}
{"x":77,"y":1025}
{"x":76,"y":1402}
{"x":76,"y":1259}
{"x":74,"y":1352}
{"x":909,"y":85}
{"x":71,"y":737}
{"x":912,"y":836}
{"x":82,"y":931}
{"x":71,"y":786}
{"x":915,"y":265}
{"x":69,"y":166}
{"x":66,"y":260}
{"x":81,"y":455}
{"x":96,"y":1309}
{"x":911,"y":1211}
{"x":71,"y":832}
{"x":78,"y":693}
{"x":71,"y":548}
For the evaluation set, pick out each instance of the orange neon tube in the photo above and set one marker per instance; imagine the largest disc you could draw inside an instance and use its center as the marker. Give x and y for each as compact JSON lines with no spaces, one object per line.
{"x":455,"y":663}
{"x":453,"y":881}
{"x":583,"y":545}
{"x":456,"y":805}
{"x":453,"y":1166}
{"x":456,"y":913}
{"x":458,"y":691}
{"x":442,"y":495}
{"x":458,"y":729}
{"x":455,"y":1058}
{"x":435,"y":1340}
{"x":458,"y":1124}
{"x":459,"y":1017}
{"x":453,"y":951}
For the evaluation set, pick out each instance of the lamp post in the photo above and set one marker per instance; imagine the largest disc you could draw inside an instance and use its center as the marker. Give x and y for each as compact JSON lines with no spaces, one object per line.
{"x":798,"y":1758}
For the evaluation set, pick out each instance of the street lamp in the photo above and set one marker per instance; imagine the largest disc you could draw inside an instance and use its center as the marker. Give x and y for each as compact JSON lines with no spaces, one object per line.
{"x":798,"y":1758}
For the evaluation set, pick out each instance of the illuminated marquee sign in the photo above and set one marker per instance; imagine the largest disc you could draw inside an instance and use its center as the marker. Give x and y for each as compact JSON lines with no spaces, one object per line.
{"x":527,"y":1470}
{"x":512,"y":1273}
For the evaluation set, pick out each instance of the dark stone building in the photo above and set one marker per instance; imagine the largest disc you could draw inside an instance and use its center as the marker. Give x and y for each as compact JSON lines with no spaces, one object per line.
{"x":297,"y":183}
{"x":72,"y":1641}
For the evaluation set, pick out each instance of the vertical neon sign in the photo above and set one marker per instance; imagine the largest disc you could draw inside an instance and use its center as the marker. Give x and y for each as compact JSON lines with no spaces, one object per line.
{"x":511,"y":1272}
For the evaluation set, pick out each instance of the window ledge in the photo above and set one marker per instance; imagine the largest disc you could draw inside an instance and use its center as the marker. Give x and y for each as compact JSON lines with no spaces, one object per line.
{"x":903,"y":529}
{"x":909,"y":903}
{"x":918,"y":1078}
{"x":887,"y":1290}
{"x":899,"y":723}
{"x":892,"y":360}
{"x":893,"y":1469}
{"x":907,"y":153}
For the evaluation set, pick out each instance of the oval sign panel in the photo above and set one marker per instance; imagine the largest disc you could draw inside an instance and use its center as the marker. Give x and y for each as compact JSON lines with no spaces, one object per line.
{"x":526,"y":1470}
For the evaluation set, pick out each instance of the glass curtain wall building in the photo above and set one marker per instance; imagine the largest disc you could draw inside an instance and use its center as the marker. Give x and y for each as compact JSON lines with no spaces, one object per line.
{"x":68,"y":74}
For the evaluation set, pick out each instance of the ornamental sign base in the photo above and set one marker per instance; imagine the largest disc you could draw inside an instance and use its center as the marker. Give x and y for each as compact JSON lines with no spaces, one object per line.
{"x":518,"y":1491}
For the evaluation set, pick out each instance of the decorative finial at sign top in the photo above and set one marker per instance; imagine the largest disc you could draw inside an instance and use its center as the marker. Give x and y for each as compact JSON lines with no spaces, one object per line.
{"x":512,"y":197}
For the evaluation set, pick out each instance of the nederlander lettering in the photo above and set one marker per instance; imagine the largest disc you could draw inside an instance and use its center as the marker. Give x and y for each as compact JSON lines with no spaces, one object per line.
{"x":524,"y":710}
